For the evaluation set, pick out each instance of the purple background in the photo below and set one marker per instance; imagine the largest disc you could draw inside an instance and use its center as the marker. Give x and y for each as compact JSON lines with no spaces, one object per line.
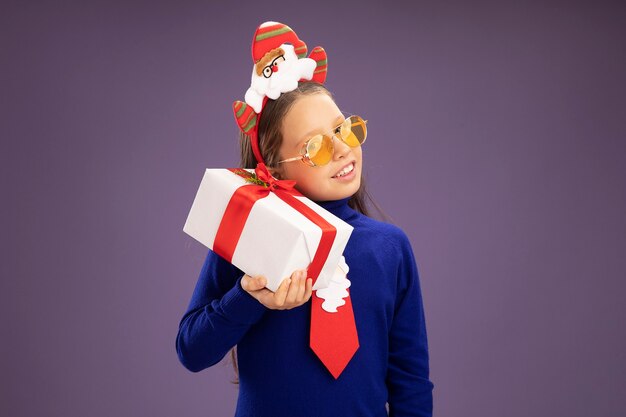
{"x":496,"y":142}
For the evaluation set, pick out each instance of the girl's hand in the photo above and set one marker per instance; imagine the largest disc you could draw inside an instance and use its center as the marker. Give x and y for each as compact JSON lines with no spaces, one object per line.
{"x":292,"y":292}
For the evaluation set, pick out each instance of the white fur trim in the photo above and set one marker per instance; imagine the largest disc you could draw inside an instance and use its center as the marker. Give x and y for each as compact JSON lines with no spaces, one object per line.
{"x":335,"y":293}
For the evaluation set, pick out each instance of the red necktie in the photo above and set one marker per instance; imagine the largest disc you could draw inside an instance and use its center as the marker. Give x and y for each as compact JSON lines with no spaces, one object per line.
{"x":334,"y":337}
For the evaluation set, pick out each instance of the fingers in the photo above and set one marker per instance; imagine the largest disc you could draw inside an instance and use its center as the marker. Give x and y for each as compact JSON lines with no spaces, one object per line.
{"x":292,"y":292}
{"x":249,"y":283}
{"x":281,"y":293}
{"x":296,"y":289}
{"x":301,"y":287}
{"x":245,"y":282}
{"x":309,"y":289}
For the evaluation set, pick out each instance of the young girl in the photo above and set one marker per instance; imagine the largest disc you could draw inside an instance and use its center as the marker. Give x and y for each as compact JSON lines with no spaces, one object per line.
{"x":279,"y":374}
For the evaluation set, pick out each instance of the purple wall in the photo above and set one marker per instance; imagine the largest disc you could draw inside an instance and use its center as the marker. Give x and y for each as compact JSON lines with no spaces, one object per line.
{"x":497,"y":143}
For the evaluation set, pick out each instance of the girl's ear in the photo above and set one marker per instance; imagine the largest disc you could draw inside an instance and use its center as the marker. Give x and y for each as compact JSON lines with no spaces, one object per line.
{"x":276,"y":172}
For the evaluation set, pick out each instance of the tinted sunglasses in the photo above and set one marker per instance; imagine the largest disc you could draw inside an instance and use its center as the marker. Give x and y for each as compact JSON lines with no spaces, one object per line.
{"x":319,"y":149}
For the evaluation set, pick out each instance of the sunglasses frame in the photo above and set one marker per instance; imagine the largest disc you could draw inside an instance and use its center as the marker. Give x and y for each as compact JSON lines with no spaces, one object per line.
{"x":305,"y":157}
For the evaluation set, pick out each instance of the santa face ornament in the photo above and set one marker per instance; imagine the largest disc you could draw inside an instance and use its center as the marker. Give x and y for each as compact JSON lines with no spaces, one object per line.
{"x":277,"y":72}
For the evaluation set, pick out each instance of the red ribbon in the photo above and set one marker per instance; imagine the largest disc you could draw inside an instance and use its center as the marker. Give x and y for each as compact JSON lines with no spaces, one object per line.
{"x":240,"y":205}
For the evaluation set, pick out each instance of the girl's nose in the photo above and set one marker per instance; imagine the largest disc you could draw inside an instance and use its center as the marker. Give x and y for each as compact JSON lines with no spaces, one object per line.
{"x":341,"y":148}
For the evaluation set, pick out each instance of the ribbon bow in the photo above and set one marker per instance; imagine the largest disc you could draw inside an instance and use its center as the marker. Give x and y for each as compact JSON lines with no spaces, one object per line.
{"x":273,"y":184}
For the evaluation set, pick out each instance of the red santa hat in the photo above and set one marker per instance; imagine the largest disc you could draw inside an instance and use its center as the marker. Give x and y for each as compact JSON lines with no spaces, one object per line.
{"x":271,"y":35}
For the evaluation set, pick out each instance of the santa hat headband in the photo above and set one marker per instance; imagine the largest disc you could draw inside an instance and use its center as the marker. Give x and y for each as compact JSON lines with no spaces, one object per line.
{"x":279,"y":63}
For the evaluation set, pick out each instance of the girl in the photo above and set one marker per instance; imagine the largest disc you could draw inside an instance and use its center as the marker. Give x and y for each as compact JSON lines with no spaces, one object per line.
{"x":279,"y":374}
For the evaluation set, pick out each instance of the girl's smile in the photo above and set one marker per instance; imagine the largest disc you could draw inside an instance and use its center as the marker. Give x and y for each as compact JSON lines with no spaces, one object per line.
{"x":346,"y":173}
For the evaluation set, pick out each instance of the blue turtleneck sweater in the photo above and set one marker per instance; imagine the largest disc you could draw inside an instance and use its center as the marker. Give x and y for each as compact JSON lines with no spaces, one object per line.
{"x":279,"y":374}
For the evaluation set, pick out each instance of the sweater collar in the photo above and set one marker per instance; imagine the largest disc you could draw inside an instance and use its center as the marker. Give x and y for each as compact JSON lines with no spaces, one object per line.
{"x":339,"y":208}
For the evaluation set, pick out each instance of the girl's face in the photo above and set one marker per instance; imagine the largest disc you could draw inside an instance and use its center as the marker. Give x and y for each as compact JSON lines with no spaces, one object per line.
{"x":308,"y":116}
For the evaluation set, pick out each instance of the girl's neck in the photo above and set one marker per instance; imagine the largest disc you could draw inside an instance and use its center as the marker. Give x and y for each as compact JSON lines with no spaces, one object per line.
{"x":339,"y":208}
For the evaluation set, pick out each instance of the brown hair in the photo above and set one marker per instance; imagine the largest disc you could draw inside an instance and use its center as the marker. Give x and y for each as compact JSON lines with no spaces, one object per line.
{"x":270,"y":141}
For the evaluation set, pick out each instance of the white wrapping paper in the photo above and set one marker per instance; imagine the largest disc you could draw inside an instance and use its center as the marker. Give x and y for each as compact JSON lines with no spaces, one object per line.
{"x":276,"y":239}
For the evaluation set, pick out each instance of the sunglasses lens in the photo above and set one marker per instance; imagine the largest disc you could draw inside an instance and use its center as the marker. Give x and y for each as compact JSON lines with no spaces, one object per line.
{"x":353,"y":131}
{"x":320,"y":149}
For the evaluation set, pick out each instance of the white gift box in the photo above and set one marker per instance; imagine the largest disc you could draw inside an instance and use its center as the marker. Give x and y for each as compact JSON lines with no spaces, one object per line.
{"x":276,"y":239}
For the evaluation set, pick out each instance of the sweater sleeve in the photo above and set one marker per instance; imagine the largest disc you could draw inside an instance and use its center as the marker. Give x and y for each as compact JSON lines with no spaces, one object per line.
{"x":219,"y":314}
{"x":410,"y":390}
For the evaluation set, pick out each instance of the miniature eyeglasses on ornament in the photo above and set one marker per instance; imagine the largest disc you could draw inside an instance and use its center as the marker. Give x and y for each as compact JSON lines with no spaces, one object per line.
{"x":273,"y":66}
{"x":319,"y":149}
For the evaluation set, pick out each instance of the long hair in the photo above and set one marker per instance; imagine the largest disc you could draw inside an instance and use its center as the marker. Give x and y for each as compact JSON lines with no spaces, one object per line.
{"x":270,"y":141}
